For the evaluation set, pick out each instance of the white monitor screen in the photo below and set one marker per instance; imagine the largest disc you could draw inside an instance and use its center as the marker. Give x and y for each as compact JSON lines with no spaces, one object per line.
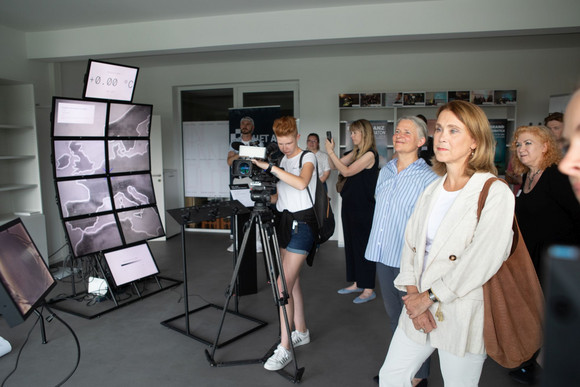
{"x":84,"y":196}
{"x":131,"y":264}
{"x":129,"y":120}
{"x":93,"y":234}
{"x":132,"y":190}
{"x":140,"y":224}
{"x":76,"y":118}
{"x":128,"y":156}
{"x":79,"y":158}
{"x":110,"y":81}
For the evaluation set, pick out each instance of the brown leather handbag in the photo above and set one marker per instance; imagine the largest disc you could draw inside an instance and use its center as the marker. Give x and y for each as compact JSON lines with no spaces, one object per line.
{"x":513,"y":303}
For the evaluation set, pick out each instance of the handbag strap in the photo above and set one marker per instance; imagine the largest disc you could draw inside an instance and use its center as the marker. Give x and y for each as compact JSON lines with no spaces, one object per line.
{"x":481,"y":203}
{"x":307,"y":185}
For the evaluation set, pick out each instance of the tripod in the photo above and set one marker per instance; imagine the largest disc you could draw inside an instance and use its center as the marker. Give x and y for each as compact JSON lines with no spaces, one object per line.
{"x":262,"y":216}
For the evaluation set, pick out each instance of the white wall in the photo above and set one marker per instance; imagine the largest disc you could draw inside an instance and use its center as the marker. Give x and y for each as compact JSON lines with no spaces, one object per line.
{"x":526,"y":64}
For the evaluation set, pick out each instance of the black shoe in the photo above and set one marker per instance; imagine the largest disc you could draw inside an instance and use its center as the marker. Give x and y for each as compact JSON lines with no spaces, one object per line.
{"x":376,"y":379}
{"x":524,"y":375}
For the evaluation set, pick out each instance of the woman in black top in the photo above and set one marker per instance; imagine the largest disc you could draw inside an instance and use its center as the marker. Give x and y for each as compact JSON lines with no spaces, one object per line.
{"x":361,"y":168}
{"x":546,"y":208}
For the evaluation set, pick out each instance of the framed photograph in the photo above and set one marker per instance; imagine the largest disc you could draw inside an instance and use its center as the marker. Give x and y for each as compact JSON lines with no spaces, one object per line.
{"x":349,"y":100}
{"x":435,"y":98}
{"x":371,"y":100}
{"x":505,"y":97}
{"x":482,"y":97}
{"x":414,"y":99}
{"x":462,"y":95}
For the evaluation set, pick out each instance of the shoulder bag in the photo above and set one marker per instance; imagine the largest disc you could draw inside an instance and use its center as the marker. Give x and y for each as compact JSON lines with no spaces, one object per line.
{"x":513,"y":303}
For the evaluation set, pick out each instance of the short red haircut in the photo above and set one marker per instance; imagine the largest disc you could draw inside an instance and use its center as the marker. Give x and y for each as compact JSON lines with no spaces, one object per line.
{"x":285,"y":126}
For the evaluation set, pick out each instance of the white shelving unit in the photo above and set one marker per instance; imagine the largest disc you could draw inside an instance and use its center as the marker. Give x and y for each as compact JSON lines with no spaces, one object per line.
{"x":20,"y":194}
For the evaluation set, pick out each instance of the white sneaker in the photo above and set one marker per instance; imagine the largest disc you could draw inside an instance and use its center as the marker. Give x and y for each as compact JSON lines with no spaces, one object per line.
{"x":300,"y":338}
{"x":280,"y":359}
{"x":5,"y":346}
{"x":231,"y":248}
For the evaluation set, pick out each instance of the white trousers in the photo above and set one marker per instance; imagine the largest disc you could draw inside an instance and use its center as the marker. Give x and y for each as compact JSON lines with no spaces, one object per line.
{"x":406,"y":356}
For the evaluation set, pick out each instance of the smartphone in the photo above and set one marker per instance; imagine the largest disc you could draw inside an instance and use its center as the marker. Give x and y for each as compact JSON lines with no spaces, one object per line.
{"x":329,"y":135}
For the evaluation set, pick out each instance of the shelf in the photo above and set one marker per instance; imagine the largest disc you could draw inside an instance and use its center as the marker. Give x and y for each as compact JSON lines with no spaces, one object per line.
{"x":16,"y":187}
{"x":23,"y":157}
{"x":15,"y":127}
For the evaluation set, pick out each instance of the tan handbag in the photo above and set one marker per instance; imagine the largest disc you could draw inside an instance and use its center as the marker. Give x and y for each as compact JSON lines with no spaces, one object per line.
{"x":340,"y":180}
{"x":513,"y":303}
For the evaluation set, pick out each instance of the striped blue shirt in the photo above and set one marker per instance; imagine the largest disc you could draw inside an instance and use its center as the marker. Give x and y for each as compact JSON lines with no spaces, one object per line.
{"x":396,"y":195}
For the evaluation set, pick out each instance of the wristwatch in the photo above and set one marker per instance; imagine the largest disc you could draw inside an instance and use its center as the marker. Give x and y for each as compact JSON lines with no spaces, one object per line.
{"x":432,"y":296}
{"x":269,"y":169}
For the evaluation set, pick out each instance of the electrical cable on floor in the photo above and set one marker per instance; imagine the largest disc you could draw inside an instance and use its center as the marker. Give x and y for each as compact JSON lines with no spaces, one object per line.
{"x":49,"y":319}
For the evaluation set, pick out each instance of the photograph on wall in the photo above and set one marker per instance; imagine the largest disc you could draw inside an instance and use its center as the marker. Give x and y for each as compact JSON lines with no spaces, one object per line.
{"x":129,"y":120}
{"x":415,"y":98}
{"x":435,"y":98}
{"x":499,"y":128}
{"x":505,"y":97}
{"x":348,"y":100}
{"x":128,"y":156}
{"x":482,"y":97}
{"x":458,"y":95}
{"x":84,"y":196}
{"x":140,"y":224}
{"x":371,"y":100}
{"x":93,"y":234}
{"x":79,"y":157}
{"x":132,"y":190}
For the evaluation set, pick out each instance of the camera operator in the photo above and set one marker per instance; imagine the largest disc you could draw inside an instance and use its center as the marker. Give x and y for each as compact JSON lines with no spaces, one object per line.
{"x":294,"y":232}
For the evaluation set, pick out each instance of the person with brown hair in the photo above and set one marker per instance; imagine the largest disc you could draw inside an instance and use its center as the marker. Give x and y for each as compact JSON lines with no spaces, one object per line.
{"x":448,"y":254}
{"x":294,"y":231}
{"x":361,"y":169}
{"x":555,"y":122}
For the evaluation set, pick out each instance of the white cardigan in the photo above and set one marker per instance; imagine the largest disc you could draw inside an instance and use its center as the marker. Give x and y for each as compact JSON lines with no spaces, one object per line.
{"x":463,"y":256}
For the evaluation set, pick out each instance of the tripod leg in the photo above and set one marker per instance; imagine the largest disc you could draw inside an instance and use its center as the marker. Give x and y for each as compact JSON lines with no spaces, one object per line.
{"x":232,"y":284}
{"x":274,"y":260}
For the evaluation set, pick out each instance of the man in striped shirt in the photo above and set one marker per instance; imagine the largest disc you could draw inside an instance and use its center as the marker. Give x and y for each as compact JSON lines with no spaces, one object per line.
{"x":400,"y":183}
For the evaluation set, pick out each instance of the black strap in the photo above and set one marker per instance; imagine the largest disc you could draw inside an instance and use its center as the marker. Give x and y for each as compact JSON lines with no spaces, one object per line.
{"x":307,"y":185}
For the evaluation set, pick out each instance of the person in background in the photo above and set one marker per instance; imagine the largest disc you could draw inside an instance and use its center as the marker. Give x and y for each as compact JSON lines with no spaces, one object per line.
{"x":570,"y":164}
{"x":313,"y":145}
{"x":555,"y":122}
{"x":360,"y":167}
{"x":426,"y":152}
{"x":247,"y":139}
{"x":400,"y":183}
{"x":546,"y":209}
{"x":294,"y":231}
{"x":448,"y":254}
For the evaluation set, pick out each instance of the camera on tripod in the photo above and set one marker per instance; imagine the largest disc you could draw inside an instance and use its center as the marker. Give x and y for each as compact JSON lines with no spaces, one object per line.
{"x":263,"y":183}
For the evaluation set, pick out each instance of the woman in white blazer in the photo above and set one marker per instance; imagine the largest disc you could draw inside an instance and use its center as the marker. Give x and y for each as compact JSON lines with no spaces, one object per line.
{"x":448,"y":255}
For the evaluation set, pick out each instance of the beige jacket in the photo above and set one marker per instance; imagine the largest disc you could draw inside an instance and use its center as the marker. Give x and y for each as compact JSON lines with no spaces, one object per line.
{"x":463,"y":256}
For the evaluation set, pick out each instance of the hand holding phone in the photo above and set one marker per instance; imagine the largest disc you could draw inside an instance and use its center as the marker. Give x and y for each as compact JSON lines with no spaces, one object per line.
{"x":329,"y":135}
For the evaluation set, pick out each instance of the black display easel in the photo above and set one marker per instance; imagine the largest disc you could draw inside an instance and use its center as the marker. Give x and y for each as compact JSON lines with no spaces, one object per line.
{"x":207,"y":212}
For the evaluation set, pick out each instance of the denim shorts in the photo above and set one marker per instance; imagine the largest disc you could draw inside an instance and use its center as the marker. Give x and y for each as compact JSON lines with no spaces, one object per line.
{"x":302,"y":239}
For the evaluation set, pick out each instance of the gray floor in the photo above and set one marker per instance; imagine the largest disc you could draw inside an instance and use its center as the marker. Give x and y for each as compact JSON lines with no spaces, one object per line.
{"x":130,"y":347}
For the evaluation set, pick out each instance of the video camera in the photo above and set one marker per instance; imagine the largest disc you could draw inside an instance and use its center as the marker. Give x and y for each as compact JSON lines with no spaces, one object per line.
{"x":263,"y":183}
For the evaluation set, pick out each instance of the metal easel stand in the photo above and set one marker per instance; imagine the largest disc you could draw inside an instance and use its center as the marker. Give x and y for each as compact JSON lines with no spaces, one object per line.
{"x":195,"y":214}
{"x":261,"y":215}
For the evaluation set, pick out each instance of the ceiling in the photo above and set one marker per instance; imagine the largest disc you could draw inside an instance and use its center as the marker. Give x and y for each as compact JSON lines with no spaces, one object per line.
{"x":51,"y":15}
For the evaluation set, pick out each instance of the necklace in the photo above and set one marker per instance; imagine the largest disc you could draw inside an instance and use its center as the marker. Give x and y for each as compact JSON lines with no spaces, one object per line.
{"x":531,"y":178}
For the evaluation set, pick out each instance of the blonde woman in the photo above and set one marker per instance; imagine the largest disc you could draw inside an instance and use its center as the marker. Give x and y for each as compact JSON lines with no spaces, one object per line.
{"x":361,"y":168}
{"x":448,"y":254}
